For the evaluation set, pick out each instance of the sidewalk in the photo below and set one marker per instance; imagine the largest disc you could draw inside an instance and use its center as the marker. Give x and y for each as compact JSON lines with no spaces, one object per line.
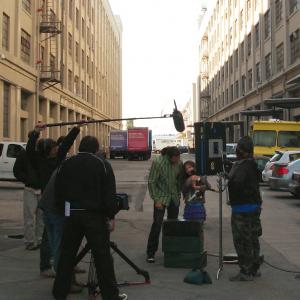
{"x":19,"y":276}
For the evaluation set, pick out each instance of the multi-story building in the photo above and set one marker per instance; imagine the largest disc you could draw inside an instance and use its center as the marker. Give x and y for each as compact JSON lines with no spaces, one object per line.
{"x":59,"y":61}
{"x":249,"y":52}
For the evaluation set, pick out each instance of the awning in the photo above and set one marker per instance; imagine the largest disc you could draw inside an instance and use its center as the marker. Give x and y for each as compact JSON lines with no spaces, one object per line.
{"x":287,"y":103}
{"x":262,"y":112}
{"x":294,"y":80}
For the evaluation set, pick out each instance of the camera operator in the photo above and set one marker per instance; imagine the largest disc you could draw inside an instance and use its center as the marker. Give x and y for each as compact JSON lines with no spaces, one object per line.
{"x":245,"y":201}
{"x":85,"y":187}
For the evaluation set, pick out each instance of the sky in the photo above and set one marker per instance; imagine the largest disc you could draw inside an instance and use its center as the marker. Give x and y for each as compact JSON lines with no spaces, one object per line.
{"x":159,"y":44}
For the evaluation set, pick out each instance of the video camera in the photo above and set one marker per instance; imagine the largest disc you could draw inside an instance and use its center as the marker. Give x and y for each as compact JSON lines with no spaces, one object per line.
{"x":123,"y":202}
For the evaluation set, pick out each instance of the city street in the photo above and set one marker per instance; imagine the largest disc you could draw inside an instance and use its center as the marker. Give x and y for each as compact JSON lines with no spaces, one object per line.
{"x":19,"y":276}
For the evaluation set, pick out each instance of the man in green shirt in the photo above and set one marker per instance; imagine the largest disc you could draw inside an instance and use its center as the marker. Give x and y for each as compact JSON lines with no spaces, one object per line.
{"x":164,"y":184}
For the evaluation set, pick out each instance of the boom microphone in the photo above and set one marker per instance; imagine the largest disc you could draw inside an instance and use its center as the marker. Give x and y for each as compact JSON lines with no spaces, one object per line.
{"x":178,"y":119}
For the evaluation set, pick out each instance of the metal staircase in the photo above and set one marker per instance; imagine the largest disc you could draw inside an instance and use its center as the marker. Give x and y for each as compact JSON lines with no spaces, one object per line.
{"x":50,"y":27}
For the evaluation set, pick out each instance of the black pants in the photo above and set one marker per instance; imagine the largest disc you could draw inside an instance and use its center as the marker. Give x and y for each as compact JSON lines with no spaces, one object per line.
{"x":45,"y":252}
{"x":158,"y":217}
{"x":93,"y":226}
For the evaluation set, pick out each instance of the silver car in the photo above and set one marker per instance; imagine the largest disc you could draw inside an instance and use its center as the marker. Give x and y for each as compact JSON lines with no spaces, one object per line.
{"x":280,"y":157}
{"x":294,"y":185}
{"x":282,"y":175}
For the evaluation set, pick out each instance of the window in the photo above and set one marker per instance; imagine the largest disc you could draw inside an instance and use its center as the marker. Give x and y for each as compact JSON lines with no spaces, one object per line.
{"x":76,"y":82}
{"x":231,"y":64}
{"x":242,"y":51}
{"x":88,"y":93}
{"x":236,"y":58}
{"x":268,"y":65}
{"x":293,"y":5}
{"x":6,"y":102}
{"x":257,"y":35}
{"x":77,"y":18}
{"x":289,"y":139}
{"x":243,"y":85}
{"x":265,"y":138}
{"x":77,"y":52}
{"x":226,"y":97}
{"x":5,"y":31}
{"x":248,"y":10}
{"x":236,"y":88}
{"x":70,"y":42}
{"x":295,"y":46}
{"x":250,"y":79}
{"x":52,"y":62}
{"x":82,"y":59}
{"x":25,"y":46}
{"x":241,"y":20}
{"x":26,"y":4}
{"x":13,"y":150}
{"x":278,"y":12}
{"x":267,"y":19}
{"x":88,"y":35}
{"x":279,"y":57}
{"x":231,"y":92}
{"x":83,"y":28}
{"x":83,"y":89}
{"x":70,"y":80}
{"x":258,"y":77}
{"x":71,"y":9}
{"x":88,"y":65}
{"x":249,"y":44}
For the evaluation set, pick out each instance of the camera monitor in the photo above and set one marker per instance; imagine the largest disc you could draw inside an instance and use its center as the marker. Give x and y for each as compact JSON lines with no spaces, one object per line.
{"x":210,"y":139}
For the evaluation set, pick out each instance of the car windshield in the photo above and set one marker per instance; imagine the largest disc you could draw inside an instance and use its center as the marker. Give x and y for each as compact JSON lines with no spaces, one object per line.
{"x":264,"y":138}
{"x":289,"y":139}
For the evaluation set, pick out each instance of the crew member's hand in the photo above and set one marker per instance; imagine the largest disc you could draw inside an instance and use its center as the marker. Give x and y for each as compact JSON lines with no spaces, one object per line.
{"x":158,"y":205}
{"x":111,"y":225}
{"x":81,"y":123}
{"x":40,"y":126}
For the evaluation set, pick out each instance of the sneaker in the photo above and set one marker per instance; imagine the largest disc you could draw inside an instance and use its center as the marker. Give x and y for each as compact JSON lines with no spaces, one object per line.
{"x":242,"y":277}
{"x":150,"y":259}
{"x":75,"y":289}
{"x":31,"y":247}
{"x":122,"y":297}
{"x":48,"y":273}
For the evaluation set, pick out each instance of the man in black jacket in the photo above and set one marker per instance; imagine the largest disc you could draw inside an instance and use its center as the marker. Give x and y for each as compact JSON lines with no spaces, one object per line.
{"x":33,"y":218}
{"x":85,"y":187}
{"x":45,"y":161}
{"x":245,"y":201}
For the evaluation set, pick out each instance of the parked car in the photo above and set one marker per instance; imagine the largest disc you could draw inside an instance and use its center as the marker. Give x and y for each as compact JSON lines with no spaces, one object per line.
{"x":282,"y":175}
{"x":260,"y":160}
{"x":279,"y":157}
{"x":294,"y":185}
{"x":261,"y":163}
{"x":8,"y":153}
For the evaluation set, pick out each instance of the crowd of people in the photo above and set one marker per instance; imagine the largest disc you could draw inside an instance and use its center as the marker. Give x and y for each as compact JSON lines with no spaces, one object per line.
{"x":69,"y":197}
{"x":65,"y":200}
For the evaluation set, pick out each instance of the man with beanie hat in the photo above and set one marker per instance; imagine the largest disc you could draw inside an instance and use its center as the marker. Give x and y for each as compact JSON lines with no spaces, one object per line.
{"x":245,"y":201}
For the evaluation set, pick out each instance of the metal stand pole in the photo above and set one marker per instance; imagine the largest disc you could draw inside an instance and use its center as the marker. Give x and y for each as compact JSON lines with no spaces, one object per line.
{"x":220,"y":227}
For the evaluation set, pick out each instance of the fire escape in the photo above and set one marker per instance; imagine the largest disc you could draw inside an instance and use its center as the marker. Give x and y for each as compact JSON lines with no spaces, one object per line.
{"x":204,"y":87}
{"x":50,"y":27}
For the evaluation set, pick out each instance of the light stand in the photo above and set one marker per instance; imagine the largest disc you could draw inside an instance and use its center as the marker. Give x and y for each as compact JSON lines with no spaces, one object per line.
{"x":220,"y":187}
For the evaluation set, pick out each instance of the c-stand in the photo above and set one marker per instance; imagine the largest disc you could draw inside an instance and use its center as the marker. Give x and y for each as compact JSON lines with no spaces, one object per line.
{"x":92,"y":282}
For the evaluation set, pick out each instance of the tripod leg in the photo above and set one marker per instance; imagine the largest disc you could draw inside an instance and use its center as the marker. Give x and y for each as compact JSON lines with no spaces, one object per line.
{"x":82,"y":253}
{"x":139,"y":271}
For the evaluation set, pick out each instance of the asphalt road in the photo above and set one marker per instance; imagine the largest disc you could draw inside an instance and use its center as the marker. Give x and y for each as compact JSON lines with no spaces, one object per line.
{"x":280,"y":245}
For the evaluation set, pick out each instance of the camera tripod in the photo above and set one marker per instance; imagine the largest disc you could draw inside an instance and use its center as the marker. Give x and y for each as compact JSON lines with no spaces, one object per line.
{"x":92,"y":284}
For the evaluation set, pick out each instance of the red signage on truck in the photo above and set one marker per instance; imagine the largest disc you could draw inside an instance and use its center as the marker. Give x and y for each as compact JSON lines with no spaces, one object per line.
{"x":138,"y":139}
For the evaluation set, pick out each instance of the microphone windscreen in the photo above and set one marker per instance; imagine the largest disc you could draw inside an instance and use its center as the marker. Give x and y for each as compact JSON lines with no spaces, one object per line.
{"x":178,"y":120}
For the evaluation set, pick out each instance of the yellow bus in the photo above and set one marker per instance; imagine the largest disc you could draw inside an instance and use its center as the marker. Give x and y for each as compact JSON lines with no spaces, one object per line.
{"x":272,"y":135}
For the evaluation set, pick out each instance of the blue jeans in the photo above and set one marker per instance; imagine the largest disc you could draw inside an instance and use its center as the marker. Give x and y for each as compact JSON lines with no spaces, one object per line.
{"x":54,"y":226}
